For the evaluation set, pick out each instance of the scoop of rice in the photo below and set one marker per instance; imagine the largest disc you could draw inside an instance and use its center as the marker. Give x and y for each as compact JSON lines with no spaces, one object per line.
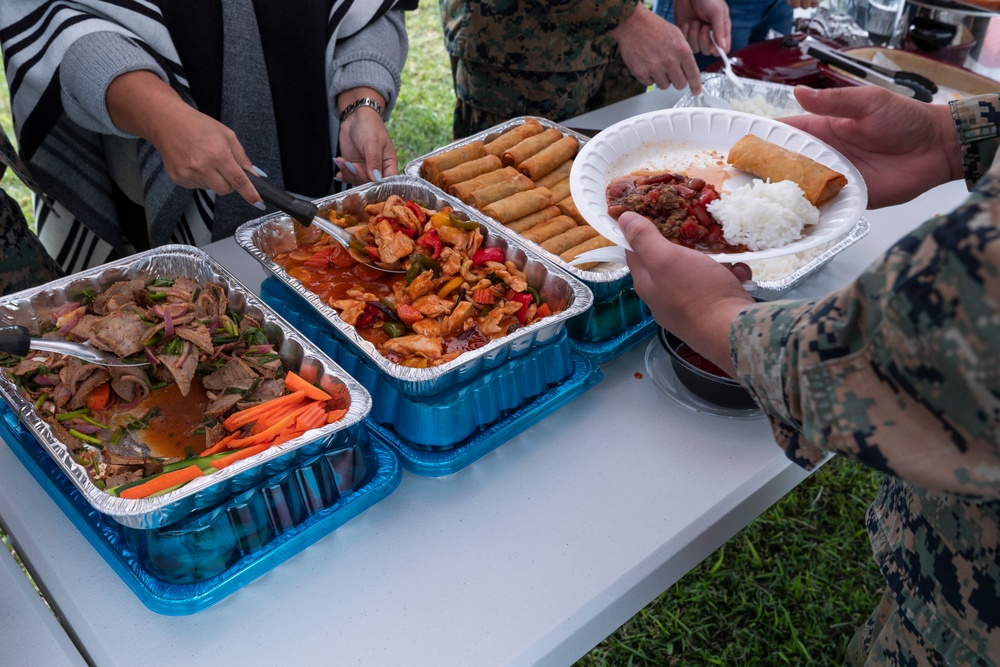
{"x":763,"y":215}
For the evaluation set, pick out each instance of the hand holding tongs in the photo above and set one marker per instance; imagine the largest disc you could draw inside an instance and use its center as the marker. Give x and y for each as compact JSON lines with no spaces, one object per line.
{"x":905,"y":83}
{"x":17,"y":340}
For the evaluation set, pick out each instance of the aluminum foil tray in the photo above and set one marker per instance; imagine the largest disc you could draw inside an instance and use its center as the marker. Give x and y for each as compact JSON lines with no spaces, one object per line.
{"x":29,"y":306}
{"x":442,"y":433}
{"x":774,"y":288}
{"x":192,"y":564}
{"x":266,"y":237}
{"x":774,"y":99}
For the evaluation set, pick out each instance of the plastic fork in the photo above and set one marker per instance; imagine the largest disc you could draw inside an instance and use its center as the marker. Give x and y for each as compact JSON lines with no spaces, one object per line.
{"x":727,"y":64}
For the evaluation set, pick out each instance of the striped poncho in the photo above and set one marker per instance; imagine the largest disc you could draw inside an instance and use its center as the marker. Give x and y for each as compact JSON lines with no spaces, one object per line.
{"x":312,"y":50}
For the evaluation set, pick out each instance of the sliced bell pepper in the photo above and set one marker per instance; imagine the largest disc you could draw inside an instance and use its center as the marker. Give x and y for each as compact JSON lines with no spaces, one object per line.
{"x":484,"y":255}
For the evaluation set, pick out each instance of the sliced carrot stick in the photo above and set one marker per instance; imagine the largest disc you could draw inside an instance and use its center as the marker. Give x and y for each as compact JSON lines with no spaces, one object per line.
{"x":248,"y":415}
{"x":271,"y":418}
{"x":286,"y":436}
{"x":163,"y":481}
{"x":264,"y":436}
{"x":294,"y":382}
{"x":245,"y":453}
{"x":99,"y":397}
{"x":221,"y":445}
{"x":304,"y":419}
{"x":335,"y":416}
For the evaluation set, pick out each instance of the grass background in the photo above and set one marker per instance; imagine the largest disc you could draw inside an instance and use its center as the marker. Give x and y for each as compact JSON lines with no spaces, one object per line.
{"x":789,"y":589}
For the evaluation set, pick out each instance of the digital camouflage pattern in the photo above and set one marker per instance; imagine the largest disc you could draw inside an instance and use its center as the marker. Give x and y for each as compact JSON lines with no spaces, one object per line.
{"x":901,"y":371}
{"x":554,"y":60}
{"x":23,"y":261}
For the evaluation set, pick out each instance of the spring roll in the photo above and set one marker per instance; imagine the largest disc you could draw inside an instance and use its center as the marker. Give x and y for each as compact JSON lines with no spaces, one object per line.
{"x":493,"y":193}
{"x":560,"y":190}
{"x":559,"y":173}
{"x":467,"y":170}
{"x":550,"y":157}
{"x":519,"y":205}
{"x":559,"y":244}
{"x":568,"y":207}
{"x":514,"y":136}
{"x":435,"y":164}
{"x":527,"y":222}
{"x":769,"y":161}
{"x":591,"y":244}
{"x":461,"y":190}
{"x":515,"y":155}
{"x":546,"y":230}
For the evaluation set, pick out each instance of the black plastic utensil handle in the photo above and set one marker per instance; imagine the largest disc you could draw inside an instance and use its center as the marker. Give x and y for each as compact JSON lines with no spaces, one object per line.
{"x":15,"y":339}
{"x":302,"y":210}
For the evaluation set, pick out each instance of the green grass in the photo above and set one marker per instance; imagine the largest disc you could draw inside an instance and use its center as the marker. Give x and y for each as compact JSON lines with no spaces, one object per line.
{"x":789,"y":589}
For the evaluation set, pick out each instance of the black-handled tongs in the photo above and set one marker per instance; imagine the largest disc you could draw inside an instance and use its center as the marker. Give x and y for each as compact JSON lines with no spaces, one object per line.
{"x":910,"y":84}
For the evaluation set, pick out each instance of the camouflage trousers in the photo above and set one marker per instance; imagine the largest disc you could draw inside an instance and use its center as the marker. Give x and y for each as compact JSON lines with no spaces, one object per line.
{"x":487,"y":96}
{"x":24,"y":262}
{"x":888,"y":638}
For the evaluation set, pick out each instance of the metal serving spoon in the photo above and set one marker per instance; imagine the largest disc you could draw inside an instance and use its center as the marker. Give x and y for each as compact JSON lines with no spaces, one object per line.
{"x":306,"y":212}
{"x":15,"y":339}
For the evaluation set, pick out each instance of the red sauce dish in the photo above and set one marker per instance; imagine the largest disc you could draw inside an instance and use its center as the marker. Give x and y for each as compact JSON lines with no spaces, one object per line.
{"x":703,"y":378}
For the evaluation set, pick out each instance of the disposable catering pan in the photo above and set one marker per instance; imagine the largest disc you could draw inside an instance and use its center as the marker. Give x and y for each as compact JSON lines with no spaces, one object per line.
{"x":618,"y":317}
{"x":266,"y":237}
{"x":764,"y":98}
{"x":28,"y":307}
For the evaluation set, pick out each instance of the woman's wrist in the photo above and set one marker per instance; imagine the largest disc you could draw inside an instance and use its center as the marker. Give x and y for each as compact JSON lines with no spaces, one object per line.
{"x":356,"y":100}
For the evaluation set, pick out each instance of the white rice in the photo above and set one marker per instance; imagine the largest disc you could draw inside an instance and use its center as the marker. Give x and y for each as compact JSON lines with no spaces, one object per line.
{"x":758,"y":105}
{"x":763,"y":215}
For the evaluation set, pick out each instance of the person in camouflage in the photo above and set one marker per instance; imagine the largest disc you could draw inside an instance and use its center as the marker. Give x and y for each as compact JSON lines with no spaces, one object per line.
{"x":899,"y":370}
{"x":556,"y":60}
{"x":23,"y":261}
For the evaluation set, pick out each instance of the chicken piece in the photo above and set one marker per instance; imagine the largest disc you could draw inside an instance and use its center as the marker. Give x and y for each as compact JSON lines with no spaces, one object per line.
{"x":421,"y":285}
{"x":427,"y":327}
{"x":490,"y":324}
{"x":453,"y":236}
{"x":392,"y":245}
{"x":429,"y":347}
{"x":431,"y":305}
{"x":462,"y":313}
{"x":514,"y":281}
{"x":475,"y":243}
{"x":451,"y":262}
{"x":361,"y":295}
{"x":349,"y":309}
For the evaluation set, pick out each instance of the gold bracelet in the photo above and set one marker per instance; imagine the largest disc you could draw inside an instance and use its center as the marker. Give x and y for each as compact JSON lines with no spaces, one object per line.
{"x":357,"y":104}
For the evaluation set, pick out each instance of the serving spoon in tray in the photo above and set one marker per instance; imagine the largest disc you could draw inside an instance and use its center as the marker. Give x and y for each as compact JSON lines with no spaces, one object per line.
{"x":15,"y":339}
{"x":307,"y":213}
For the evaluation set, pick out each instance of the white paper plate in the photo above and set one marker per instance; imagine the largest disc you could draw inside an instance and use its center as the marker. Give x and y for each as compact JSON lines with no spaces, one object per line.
{"x":697,"y":138}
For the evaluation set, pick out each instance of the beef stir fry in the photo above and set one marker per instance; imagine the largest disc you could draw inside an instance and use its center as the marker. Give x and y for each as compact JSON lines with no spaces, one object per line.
{"x":174,"y":417}
{"x":456,"y":295}
{"x":676,"y":204}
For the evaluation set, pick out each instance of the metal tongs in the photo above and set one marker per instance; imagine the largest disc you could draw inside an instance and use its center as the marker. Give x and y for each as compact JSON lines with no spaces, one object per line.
{"x":15,"y":339}
{"x":910,"y":84}
{"x":307,"y":213}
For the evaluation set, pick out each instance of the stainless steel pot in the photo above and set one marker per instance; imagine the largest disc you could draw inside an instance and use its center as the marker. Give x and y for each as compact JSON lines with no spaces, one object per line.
{"x":955,"y":33}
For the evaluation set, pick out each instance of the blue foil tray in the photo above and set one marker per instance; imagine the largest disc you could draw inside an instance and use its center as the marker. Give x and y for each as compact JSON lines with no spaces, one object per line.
{"x":441,"y":434}
{"x":190,"y":565}
{"x":612,"y":325}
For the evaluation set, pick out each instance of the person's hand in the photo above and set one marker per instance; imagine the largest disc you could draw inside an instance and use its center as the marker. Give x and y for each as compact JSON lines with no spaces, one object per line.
{"x":699,"y":18}
{"x":902,"y":147}
{"x":689,"y":293}
{"x":656,"y":52}
{"x":366,"y":149}
{"x":198,"y":151}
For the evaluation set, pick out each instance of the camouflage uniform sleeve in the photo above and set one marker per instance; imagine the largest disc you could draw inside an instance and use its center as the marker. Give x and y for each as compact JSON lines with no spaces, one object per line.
{"x":977,"y":120}
{"x":899,"y":369}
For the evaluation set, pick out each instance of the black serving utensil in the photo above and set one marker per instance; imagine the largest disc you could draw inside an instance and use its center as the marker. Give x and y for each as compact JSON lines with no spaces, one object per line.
{"x":899,"y":76}
{"x":15,"y":339}
{"x":868,"y":74}
{"x":307,"y":213}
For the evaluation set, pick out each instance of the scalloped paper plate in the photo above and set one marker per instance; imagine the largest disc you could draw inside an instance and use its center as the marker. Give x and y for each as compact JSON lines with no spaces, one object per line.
{"x":696,"y":141}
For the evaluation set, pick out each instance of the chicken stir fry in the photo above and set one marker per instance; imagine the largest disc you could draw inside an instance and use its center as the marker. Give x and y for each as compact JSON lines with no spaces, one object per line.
{"x":457,"y":294}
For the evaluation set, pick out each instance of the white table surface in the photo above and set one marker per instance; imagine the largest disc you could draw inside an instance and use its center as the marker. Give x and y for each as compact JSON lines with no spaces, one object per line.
{"x":531,"y":555}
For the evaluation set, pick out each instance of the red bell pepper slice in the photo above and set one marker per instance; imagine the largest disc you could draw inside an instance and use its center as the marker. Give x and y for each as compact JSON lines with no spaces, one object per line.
{"x":484,"y":255}
{"x":525,"y":300}
{"x":430,"y":240}
{"x":417,"y":211}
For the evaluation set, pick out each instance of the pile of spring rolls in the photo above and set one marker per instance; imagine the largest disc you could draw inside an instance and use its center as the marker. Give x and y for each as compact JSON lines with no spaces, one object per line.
{"x":521,"y":179}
